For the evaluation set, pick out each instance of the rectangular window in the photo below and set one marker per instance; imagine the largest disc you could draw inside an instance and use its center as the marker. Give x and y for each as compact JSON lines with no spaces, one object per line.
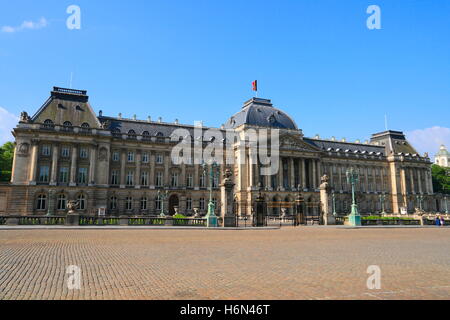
{"x":130,"y":176}
{"x":44,"y":174}
{"x":159,"y":158}
{"x":115,"y":156}
{"x":45,"y":150}
{"x":202,"y":203}
{"x":144,"y":178}
{"x":82,"y":175}
{"x":174,"y":179}
{"x":115,"y":177}
{"x":130,"y":156}
{"x":83,"y":153}
{"x":159,"y":179}
{"x":188,"y":203}
{"x":190,"y":180}
{"x":64,"y":175}
{"x":202,"y":181}
{"x":65,"y":152}
{"x":145,"y":157}
{"x":144,"y":203}
{"x":129,"y":203}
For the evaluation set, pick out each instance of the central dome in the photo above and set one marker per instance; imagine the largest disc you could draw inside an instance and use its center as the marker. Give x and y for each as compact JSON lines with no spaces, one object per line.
{"x":261,"y":113}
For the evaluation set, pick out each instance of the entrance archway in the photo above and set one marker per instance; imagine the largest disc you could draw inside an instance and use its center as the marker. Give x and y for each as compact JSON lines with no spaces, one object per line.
{"x":173,"y":202}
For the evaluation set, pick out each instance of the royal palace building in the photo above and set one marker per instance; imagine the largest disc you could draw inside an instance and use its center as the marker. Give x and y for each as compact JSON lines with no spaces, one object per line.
{"x":66,"y":152}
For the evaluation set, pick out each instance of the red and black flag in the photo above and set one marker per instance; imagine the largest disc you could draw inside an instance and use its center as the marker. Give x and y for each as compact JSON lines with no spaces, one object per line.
{"x":255,"y":85}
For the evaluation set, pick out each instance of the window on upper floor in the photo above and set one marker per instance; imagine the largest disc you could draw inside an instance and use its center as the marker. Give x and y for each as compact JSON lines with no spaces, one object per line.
{"x":115,"y":156}
{"x":65,"y":152}
{"x":83,"y":153}
{"x":159,"y":158}
{"x":130,"y":156}
{"x":145,"y":157}
{"x":45,"y":151}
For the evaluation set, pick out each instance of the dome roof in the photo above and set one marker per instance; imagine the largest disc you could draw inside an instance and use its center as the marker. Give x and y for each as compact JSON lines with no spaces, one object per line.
{"x":260,"y":112}
{"x":443,"y":151}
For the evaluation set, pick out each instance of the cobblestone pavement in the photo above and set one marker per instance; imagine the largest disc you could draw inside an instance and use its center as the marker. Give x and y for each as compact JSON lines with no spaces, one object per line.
{"x":303,"y":263}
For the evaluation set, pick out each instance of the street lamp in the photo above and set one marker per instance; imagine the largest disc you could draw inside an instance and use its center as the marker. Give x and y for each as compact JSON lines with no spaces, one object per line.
{"x":446,"y":205}
{"x":333,"y":195}
{"x":162,"y":196}
{"x":213,"y":173}
{"x":382,"y":201}
{"x":420,"y":201}
{"x":354,"y":217}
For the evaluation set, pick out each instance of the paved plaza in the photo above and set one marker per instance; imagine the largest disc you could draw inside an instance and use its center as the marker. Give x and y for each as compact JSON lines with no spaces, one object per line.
{"x":290,"y":263}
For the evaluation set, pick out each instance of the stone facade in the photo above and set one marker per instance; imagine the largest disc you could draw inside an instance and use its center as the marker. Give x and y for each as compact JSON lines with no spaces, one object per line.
{"x":66,"y":152}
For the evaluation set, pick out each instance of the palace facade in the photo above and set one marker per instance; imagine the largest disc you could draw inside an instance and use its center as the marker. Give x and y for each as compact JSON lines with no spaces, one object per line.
{"x":67,"y":152}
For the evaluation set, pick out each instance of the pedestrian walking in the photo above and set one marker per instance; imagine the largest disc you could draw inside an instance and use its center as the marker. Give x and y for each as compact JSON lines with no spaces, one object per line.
{"x":442,"y":221}
{"x":438,"y":221}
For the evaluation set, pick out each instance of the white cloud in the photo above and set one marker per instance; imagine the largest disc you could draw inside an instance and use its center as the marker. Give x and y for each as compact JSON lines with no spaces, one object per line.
{"x":429,"y":139}
{"x":8,"y":121}
{"x":42,"y":23}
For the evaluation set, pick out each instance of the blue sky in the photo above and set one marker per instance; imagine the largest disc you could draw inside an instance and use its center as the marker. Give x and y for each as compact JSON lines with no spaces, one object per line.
{"x":195,"y":60}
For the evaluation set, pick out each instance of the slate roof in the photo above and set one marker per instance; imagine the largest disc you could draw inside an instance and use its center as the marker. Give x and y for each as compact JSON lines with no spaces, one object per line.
{"x":261,"y":113}
{"x":343,"y":146}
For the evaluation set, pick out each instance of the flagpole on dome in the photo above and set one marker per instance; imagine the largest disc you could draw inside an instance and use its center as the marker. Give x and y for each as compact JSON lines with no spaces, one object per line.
{"x":255,"y":87}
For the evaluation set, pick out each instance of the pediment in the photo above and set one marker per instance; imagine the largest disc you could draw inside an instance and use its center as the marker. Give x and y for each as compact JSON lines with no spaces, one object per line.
{"x":289,"y":142}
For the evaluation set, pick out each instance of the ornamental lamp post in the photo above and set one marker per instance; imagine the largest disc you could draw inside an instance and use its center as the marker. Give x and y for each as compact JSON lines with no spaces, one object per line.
{"x":383,"y":203}
{"x":446,"y":204}
{"x":211,"y":217}
{"x":162,"y":196}
{"x":333,"y":195}
{"x":354,"y":218}
{"x":420,"y":201}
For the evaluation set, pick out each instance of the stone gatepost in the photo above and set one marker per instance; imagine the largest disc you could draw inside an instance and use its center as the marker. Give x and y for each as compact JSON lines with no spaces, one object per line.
{"x":226,"y":189}
{"x":327,"y":215}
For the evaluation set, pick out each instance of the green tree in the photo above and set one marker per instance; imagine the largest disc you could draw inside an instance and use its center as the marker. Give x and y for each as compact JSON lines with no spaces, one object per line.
{"x":6,"y":160}
{"x":441,"y":179}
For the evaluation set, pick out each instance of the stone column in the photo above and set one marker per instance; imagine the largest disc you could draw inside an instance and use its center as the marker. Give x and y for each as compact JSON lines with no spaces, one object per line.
{"x":319,"y":170}
{"x":123,"y":161}
{"x":303,"y":181}
{"x":196,"y":177}
{"x":152,"y":170}
{"x":251,"y":172}
{"x":314,"y":174}
{"x":33,"y":162}
{"x":167,"y":161}
{"x":73,"y":167}
{"x":292,"y":171}
{"x":92,"y":165}
{"x":419,"y":180}
{"x":54,"y":171}
{"x":280,"y":176}
{"x":411,"y":173}
{"x":137,"y":181}
{"x":183,"y":176}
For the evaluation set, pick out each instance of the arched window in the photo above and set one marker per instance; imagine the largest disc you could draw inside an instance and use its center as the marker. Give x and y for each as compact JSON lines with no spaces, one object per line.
{"x":146,"y":135}
{"x":49,"y":124}
{"x":116,"y":132}
{"x":85,"y":128}
{"x":159,"y":134}
{"x":131,"y":134}
{"x":67,"y":124}
{"x":61,"y":202}
{"x":41,"y":202}
{"x":81,"y":202}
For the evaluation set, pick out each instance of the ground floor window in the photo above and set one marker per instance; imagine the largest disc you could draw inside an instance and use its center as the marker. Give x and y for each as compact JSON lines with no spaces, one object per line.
{"x":129,"y":203}
{"x":61,"y":202}
{"x":202,"y":203}
{"x":113,"y":203}
{"x":144,"y":203}
{"x":81,"y":202}
{"x":41,"y":202}
{"x":158,"y":204}
{"x":188,"y":203}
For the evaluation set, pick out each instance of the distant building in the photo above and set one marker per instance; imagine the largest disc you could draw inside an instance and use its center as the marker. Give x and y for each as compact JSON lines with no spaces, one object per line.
{"x":442,"y":158}
{"x":67,"y":152}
